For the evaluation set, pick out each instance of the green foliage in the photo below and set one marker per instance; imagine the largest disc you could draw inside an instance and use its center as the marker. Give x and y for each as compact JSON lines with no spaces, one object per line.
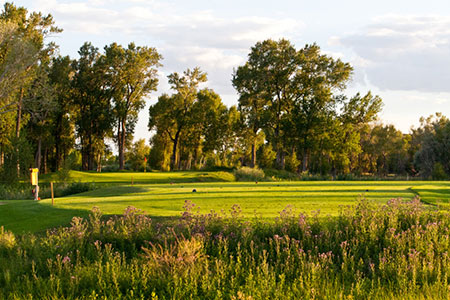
{"x":438,"y":172}
{"x":292,"y":164}
{"x":131,"y":74}
{"x":20,"y":150}
{"x":432,"y":144}
{"x":249,"y":174}
{"x":94,"y":116}
{"x":193,"y":124}
{"x":138,"y":155}
{"x":367,"y":252}
{"x":281,"y":175}
{"x":22,"y":191}
{"x":159,"y":156}
{"x":266,"y":156}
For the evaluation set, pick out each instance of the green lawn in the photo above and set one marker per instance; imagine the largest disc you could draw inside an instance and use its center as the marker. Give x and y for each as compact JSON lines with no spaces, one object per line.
{"x":149,"y":177}
{"x":162,"y":195}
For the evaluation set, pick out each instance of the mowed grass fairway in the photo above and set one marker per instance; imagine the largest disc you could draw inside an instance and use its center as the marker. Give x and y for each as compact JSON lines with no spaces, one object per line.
{"x":160,"y":200}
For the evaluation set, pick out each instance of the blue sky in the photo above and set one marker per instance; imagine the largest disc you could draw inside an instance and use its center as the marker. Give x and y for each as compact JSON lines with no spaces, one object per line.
{"x":400,"y":50}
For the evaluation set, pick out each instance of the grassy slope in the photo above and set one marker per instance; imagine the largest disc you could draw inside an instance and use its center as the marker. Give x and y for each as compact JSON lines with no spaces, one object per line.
{"x":149,"y":177}
{"x":165,"y":198}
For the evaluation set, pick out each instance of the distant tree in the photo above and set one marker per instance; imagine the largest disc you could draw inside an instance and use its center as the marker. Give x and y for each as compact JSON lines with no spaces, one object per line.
{"x":433,"y":140}
{"x":60,"y":76}
{"x":253,"y":102}
{"x":159,"y":157}
{"x":317,"y":78}
{"x":138,"y":154}
{"x":172,"y":114}
{"x":293,"y":96}
{"x":39,"y":104}
{"x":22,"y":49}
{"x":266,"y":80}
{"x":132,"y":75}
{"x":384,"y":150}
{"x":91,"y":98}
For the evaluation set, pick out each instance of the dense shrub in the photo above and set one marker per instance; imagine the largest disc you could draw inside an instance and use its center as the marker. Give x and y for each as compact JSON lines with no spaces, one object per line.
{"x":23,"y":191}
{"x":249,"y":174}
{"x":438,"y":172}
{"x":275,"y":174}
{"x":398,"y":250}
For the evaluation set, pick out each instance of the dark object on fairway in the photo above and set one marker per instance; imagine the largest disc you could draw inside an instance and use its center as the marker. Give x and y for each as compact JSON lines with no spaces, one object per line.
{"x":194,"y":190}
{"x":367,"y":190}
{"x":256,"y":182}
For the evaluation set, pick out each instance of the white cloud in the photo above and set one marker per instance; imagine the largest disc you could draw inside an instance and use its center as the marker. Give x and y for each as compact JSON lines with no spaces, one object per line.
{"x":404,"y":52}
{"x":185,"y":39}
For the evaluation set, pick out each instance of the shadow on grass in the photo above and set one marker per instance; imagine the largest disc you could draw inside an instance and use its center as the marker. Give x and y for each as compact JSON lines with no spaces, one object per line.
{"x":112,"y":191}
{"x":21,"y":216}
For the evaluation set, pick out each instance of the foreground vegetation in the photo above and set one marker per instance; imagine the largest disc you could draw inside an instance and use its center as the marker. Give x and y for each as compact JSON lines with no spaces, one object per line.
{"x":398,"y":250}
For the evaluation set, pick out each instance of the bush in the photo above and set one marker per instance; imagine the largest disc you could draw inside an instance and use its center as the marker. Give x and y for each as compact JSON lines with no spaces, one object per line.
{"x":8,"y":171}
{"x":70,"y":189}
{"x":281,"y":174}
{"x":249,"y":174}
{"x":306,"y":176}
{"x":438,"y":172}
{"x":23,"y":191}
{"x":110,"y":168}
{"x":266,"y":156}
{"x":292,"y":163}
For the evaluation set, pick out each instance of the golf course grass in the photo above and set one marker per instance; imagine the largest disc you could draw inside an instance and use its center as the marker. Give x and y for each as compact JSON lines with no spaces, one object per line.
{"x":162,"y":195}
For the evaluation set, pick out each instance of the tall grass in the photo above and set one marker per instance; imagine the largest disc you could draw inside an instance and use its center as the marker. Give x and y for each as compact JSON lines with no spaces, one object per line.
{"x":249,"y":174}
{"x":398,"y":250}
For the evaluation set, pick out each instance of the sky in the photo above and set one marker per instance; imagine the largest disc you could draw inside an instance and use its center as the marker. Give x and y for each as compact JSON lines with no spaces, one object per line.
{"x":400,"y":50}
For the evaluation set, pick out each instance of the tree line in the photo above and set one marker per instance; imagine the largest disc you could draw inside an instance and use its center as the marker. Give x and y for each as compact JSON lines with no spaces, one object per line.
{"x":292,"y":112}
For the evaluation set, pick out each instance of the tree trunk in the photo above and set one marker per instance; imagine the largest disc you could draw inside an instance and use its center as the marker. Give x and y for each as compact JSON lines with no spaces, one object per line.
{"x":38,"y":155}
{"x":196,"y":158}
{"x":189,"y":162}
{"x":99,"y":162}
{"x":84,"y":158}
{"x":174,"y":161}
{"x":44,"y":163}
{"x":122,"y":144}
{"x":84,"y":165}
{"x":58,"y":143}
{"x":18,"y":121}
{"x":305,"y":153}
{"x":279,"y":160}
{"x":253,"y":162}
{"x":89,"y":152}
{"x":305,"y":159}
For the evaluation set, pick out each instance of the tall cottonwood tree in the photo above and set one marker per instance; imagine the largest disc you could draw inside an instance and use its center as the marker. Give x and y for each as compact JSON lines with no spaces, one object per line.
{"x":91,"y":97}
{"x":131,"y":74}
{"x":172,"y":114}
{"x":253,"y":102}
{"x":271,"y":64}
{"x":25,"y":46}
{"x":317,"y":78}
{"x":22,"y":47}
{"x":39,"y":104}
{"x":291,"y":95}
{"x":432,"y":141}
{"x":60,"y":76}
